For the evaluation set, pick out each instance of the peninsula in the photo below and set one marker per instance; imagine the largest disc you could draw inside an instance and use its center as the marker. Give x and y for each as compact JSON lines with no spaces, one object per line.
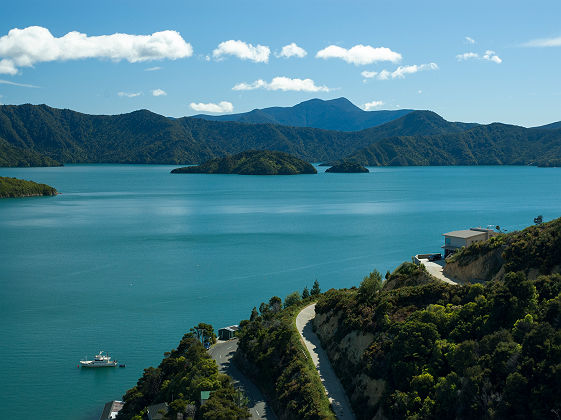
{"x":253,"y":162}
{"x":13,"y":188}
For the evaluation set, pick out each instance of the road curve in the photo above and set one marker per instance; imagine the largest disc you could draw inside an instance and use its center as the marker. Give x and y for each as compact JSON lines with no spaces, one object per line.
{"x":333,"y":387}
{"x":222,"y":352}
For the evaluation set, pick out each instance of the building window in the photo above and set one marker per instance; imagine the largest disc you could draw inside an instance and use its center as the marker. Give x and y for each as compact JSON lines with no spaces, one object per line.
{"x":447,"y":241}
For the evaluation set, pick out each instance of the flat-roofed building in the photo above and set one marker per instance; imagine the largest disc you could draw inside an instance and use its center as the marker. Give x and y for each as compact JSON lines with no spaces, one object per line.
{"x":227,"y":333}
{"x":460,"y":238}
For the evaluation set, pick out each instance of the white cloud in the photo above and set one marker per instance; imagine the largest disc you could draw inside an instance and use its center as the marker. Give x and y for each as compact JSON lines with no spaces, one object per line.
{"x":544,"y":42}
{"x":491,"y":56}
{"x":292,"y":50}
{"x":153,"y":68}
{"x":470,"y":40}
{"x":223,"y":106}
{"x":284,"y":84}
{"x":7,"y":67}
{"x":359,"y":54}
{"x":419,"y":91}
{"x":400,"y":72}
{"x":384,"y":75}
{"x":159,"y":92}
{"x":371,"y":105}
{"x":7,"y":82}
{"x":240,"y":49}
{"x":35,"y":44}
{"x":488,"y":56}
{"x":129,"y":94}
{"x":467,"y":56}
{"x":368,"y":74}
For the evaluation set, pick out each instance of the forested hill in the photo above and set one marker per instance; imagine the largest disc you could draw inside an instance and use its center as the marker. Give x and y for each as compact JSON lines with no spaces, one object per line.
{"x":38,"y":135}
{"x":335,"y":114}
{"x":493,"y":144}
{"x":432,"y":350}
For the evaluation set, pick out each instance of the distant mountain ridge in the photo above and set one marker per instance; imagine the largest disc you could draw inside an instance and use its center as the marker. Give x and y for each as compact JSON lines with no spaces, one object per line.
{"x":38,"y":135}
{"x":336,"y":114}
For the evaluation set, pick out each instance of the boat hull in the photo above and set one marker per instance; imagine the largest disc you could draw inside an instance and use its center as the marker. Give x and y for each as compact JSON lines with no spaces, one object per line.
{"x":89,"y":364}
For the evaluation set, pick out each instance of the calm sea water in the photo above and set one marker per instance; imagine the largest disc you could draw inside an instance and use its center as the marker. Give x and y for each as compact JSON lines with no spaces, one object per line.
{"x":128,"y":258}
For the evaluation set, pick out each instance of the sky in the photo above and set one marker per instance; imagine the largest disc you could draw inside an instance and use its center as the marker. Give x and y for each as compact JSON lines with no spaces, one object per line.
{"x":477,"y":61}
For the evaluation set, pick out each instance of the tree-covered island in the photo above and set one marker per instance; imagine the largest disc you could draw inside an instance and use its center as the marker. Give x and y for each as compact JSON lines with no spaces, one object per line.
{"x":347,"y":167}
{"x":253,"y":162}
{"x":13,"y":188}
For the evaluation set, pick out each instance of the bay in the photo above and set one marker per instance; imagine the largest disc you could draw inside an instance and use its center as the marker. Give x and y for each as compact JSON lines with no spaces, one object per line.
{"x":129,"y":257}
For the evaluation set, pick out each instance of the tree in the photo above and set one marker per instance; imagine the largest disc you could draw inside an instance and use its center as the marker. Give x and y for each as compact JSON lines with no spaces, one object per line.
{"x":315,"y":289}
{"x":538,"y":220}
{"x":275,"y":304}
{"x":305,"y":293}
{"x":254,"y":314}
{"x":292,"y":299}
{"x":205,"y":333}
{"x":370,"y":285}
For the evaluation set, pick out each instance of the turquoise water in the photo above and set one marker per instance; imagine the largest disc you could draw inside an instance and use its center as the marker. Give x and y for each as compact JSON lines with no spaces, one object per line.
{"x":128,"y":258}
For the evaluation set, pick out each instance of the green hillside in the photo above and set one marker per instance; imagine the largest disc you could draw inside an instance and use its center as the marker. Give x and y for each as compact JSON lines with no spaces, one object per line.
{"x":33,"y":135}
{"x":494,"y":144}
{"x":426,"y":349}
{"x":13,"y":187}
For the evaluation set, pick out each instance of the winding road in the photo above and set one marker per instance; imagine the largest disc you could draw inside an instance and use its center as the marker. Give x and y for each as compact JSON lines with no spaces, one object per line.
{"x":222,"y":352}
{"x":333,"y":387}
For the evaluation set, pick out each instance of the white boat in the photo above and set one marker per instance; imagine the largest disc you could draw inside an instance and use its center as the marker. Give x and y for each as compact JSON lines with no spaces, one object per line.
{"x":100,"y":360}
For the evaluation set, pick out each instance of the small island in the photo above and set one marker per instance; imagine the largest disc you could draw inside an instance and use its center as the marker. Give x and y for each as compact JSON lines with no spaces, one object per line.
{"x":347,"y":168}
{"x":252,"y":162}
{"x":14,"y":188}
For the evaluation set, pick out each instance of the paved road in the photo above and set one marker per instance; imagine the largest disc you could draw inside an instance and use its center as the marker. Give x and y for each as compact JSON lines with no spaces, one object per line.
{"x":435,"y":269}
{"x":333,"y":387}
{"x":222,"y":352}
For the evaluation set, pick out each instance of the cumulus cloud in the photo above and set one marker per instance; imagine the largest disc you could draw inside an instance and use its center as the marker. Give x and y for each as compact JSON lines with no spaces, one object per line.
{"x":284,"y":84}
{"x":400,"y":72}
{"x":7,"y":67}
{"x":223,"y":106}
{"x":470,"y":40}
{"x":488,"y":56}
{"x":292,"y":50}
{"x":129,"y":94}
{"x":371,"y":105}
{"x":544,"y":42}
{"x":153,"y":68}
{"x":240,"y":49}
{"x":35,"y":44}
{"x":7,"y":82}
{"x":159,"y":92}
{"x":359,"y":54}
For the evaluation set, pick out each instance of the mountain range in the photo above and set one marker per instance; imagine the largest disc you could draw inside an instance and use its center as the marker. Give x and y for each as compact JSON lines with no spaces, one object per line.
{"x":336,"y":114}
{"x":38,"y":135}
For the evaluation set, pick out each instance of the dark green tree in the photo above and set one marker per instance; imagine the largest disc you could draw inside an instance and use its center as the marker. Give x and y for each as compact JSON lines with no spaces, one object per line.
{"x":305,"y":293}
{"x":292,"y":299}
{"x":316,"y":291}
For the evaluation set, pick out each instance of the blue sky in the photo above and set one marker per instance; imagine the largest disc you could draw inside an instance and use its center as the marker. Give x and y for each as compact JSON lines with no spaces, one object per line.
{"x":469,"y":61}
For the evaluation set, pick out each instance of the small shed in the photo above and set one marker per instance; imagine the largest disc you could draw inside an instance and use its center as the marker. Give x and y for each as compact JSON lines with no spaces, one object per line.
{"x":227,"y":333}
{"x":111,"y":410}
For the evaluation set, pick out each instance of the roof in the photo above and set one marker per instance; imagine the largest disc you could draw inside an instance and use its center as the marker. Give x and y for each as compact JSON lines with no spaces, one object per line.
{"x":464,"y":234}
{"x":205,"y":395}
{"x":230,"y":328}
{"x":111,"y":409}
{"x":155,"y":411}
